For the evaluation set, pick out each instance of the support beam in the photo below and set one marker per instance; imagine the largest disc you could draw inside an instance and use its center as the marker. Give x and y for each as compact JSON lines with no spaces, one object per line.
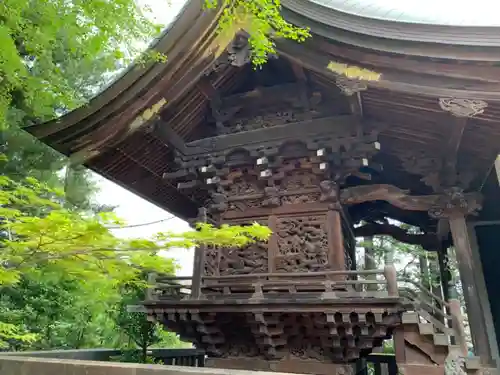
{"x":467,"y":268}
{"x":427,"y":241}
{"x":402,"y":199}
{"x":298,"y":130}
{"x":483,"y":292}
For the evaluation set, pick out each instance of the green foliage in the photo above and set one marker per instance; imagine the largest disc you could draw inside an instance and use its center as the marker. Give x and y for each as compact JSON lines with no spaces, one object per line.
{"x":61,"y":269}
{"x":142,"y":333}
{"x":262,"y":19}
{"x":53,"y":50}
{"x":43,"y":240}
{"x":54,"y":53}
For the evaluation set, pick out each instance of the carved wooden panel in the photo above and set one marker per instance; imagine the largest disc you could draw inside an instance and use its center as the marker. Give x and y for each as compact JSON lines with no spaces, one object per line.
{"x":234,"y":261}
{"x":237,"y":261}
{"x":299,"y":179}
{"x":243,"y":261}
{"x":263,"y":121}
{"x":302,"y":244}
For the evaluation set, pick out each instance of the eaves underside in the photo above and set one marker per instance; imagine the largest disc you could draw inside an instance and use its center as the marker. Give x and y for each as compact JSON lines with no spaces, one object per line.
{"x":482,"y":36}
{"x":108,"y":109}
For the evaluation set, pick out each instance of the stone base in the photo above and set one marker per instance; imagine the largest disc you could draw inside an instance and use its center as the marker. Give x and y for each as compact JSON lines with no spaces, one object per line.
{"x":295,"y":366}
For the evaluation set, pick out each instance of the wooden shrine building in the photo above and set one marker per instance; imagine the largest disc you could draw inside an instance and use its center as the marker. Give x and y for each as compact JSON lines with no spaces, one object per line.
{"x":321,"y":159}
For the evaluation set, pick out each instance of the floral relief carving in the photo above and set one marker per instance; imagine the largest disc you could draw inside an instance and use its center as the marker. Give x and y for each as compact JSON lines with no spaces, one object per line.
{"x":262,"y":121}
{"x":242,"y":261}
{"x":302,"y":244}
{"x":242,"y":186}
{"x":299,"y":179}
{"x":300,"y":198}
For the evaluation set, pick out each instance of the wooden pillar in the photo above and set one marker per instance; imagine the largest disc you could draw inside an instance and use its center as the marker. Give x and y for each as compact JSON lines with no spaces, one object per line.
{"x":272,"y":244}
{"x":336,"y":255}
{"x":467,"y":267}
{"x":483,"y":293}
{"x":199,"y":261}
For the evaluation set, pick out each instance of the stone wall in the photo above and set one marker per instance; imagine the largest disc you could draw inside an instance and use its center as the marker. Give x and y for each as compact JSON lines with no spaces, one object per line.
{"x":17,"y":365}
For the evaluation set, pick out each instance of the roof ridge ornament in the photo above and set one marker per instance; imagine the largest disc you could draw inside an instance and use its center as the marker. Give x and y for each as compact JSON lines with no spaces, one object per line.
{"x":463,"y":107}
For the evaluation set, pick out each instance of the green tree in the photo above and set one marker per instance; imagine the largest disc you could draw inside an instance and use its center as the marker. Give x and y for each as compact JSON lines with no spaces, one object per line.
{"x":58,"y":241}
{"x":142,"y":333}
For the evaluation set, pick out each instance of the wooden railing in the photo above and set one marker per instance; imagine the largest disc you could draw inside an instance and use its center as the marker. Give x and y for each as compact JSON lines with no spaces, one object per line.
{"x":445,"y":316}
{"x":331,"y":284}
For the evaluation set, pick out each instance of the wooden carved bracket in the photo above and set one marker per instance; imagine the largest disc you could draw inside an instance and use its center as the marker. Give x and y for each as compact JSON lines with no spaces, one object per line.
{"x":330,"y":193}
{"x":452,"y":202}
{"x":455,"y":202}
{"x":350,"y":86}
{"x":237,"y":54}
{"x":462,"y":107}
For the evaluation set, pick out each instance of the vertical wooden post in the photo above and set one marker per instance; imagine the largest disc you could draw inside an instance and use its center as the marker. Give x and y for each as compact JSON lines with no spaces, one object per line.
{"x":466,"y":267}
{"x":336,"y":255}
{"x":391,"y":279}
{"x":483,"y":292}
{"x":272,"y":244}
{"x":150,"y":292}
{"x":199,"y":261}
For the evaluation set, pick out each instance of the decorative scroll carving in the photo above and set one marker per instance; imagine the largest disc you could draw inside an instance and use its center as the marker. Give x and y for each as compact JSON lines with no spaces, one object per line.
{"x":242,"y":261}
{"x":302,"y":244}
{"x":242,"y":186}
{"x":350,"y":86}
{"x":298,"y":179}
{"x":239,"y":52}
{"x":455,"y":202}
{"x":272,"y":198}
{"x":300,"y":198}
{"x":330,"y":193}
{"x":263,"y":121}
{"x":462,"y":107}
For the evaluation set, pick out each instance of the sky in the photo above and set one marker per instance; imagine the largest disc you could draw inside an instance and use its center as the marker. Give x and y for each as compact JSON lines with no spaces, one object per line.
{"x":133,"y":209}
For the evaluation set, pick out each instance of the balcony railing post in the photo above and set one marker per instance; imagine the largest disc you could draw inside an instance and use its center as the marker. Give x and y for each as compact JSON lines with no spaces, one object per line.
{"x":150,"y":292}
{"x":391,"y":279}
{"x":199,"y":260}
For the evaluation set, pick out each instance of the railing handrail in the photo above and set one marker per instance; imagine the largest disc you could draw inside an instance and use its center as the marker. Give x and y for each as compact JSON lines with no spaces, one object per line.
{"x":424,"y":290}
{"x":414,"y":298}
{"x":296,"y":274}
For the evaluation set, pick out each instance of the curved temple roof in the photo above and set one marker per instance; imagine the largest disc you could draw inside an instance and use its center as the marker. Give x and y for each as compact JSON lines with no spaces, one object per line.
{"x":432,"y":12}
{"x":128,"y":132}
